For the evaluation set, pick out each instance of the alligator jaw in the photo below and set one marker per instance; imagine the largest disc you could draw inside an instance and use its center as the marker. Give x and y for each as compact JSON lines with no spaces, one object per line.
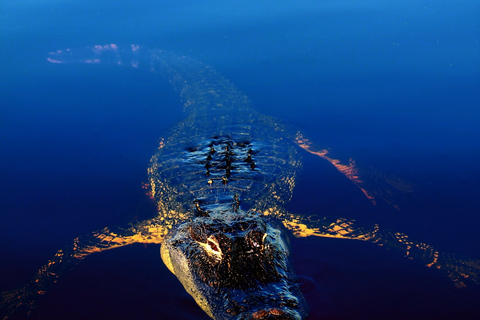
{"x":272,"y":313}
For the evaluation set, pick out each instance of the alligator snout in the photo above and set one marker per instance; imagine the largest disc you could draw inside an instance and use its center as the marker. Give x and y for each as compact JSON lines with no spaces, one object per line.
{"x":270,"y":314}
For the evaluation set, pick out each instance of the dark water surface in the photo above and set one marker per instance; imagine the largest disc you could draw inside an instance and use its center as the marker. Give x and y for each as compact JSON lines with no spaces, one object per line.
{"x":394,"y":86}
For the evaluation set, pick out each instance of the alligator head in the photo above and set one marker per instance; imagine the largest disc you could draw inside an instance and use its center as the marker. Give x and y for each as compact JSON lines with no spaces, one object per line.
{"x":236,"y":266}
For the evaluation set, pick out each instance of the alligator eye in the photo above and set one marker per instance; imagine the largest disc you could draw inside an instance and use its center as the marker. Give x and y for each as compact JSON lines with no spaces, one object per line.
{"x":212,"y":247}
{"x":255,"y":239}
{"x":212,"y":242}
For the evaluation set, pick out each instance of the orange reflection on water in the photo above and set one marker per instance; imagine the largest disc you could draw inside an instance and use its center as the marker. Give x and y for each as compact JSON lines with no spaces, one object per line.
{"x":149,"y":192}
{"x":349,"y":170}
{"x":340,"y":229}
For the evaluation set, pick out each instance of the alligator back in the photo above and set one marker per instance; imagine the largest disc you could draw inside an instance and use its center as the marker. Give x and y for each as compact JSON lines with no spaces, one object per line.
{"x":224,"y":152}
{"x":253,"y":162}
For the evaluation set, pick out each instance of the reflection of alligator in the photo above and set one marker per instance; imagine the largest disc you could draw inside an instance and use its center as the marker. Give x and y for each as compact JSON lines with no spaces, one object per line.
{"x":220,"y":181}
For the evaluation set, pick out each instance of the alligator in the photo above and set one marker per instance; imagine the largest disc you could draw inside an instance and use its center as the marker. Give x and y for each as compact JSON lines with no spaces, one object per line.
{"x":220,"y":180}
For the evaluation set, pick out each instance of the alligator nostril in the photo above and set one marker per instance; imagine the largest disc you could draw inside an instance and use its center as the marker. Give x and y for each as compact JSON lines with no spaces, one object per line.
{"x":273,"y":314}
{"x":276,"y":312}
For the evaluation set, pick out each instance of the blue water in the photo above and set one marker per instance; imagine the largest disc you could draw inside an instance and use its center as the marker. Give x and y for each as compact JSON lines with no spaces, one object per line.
{"x":395,"y":86}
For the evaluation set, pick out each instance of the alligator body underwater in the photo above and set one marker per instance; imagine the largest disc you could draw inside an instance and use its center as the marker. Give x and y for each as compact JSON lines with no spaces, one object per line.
{"x":220,"y":181}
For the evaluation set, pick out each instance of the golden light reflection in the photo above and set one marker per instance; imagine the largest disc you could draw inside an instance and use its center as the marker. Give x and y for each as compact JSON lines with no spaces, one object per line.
{"x":457,"y":269}
{"x":340,"y":229}
{"x":146,"y":232}
{"x":161,"y":143}
{"x":349,"y":170}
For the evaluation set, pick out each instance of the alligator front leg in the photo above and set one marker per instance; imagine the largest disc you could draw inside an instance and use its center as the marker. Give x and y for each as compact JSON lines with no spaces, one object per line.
{"x":459,"y":270}
{"x":25,"y":296}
